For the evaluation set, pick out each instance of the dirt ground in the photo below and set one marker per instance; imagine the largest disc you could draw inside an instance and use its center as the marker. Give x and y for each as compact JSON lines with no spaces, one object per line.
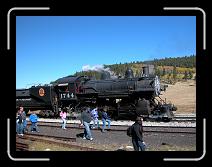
{"x":182,"y":95}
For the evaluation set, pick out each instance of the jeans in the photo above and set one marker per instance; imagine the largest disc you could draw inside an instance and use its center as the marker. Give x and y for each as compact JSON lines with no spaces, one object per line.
{"x":87,"y":131}
{"x":24,"y":125}
{"x":20,"y":128}
{"x":138,"y":144}
{"x":34,"y":126}
{"x":64,"y":123}
{"x":104,"y":123}
{"x":16,"y":127}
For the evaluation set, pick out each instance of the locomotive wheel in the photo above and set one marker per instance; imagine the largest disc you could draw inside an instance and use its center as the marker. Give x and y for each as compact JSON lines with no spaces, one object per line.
{"x":51,"y":114}
{"x":46,"y":114}
{"x":42,"y":113}
{"x":116,"y":118}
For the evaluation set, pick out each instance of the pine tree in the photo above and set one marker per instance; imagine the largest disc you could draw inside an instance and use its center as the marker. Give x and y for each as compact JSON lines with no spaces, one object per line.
{"x":190,"y":75}
{"x":174,"y":73}
{"x":185,"y":75}
{"x":164,"y":72}
{"x":157,"y":72}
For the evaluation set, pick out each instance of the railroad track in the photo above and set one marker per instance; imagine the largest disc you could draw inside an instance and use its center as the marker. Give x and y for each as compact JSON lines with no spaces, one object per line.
{"x":21,"y":142}
{"x":184,"y":118}
{"x":52,"y":133}
{"x":21,"y":146}
{"x":177,"y":121}
{"x":177,"y":118}
{"x":114,"y":128}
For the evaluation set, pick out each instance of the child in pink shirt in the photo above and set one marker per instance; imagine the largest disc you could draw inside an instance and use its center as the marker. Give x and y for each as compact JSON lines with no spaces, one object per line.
{"x":63,"y":115}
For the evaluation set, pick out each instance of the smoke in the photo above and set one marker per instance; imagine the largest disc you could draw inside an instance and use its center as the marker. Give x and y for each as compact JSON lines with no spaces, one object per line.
{"x":99,"y":68}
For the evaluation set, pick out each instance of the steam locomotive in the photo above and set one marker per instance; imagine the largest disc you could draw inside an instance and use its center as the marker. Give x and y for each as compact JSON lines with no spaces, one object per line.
{"x":124,"y":98}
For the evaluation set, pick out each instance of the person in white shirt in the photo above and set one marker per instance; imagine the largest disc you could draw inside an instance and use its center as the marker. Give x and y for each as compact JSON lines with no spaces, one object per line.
{"x":94,"y":115}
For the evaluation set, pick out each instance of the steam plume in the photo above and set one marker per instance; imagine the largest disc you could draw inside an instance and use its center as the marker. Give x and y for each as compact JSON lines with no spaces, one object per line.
{"x":99,"y":68}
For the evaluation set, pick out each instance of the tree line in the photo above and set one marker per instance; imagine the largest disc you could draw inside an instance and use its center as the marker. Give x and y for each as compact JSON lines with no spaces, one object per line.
{"x":167,"y":68}
{"x":186,"y":61}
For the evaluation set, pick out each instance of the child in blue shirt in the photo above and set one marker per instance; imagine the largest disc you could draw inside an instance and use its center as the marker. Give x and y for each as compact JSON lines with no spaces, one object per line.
{"x":34,"y":119}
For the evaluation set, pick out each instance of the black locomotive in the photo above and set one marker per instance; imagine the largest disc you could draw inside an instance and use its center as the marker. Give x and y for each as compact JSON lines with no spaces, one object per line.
{"x":125,"y":98}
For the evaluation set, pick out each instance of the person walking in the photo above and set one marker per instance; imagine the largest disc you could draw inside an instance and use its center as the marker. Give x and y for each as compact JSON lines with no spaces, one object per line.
{"x":94,"y":115}
{"x":136,"y":132}
{"x":85,"y":121}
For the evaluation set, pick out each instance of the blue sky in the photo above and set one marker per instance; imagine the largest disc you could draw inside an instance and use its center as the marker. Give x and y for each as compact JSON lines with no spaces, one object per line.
{"x":50,"y":47}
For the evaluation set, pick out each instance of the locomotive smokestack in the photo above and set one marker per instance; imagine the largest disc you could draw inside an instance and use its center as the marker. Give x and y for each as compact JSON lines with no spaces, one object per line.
{"x":105,"y":75}
{"x":129,"y":73}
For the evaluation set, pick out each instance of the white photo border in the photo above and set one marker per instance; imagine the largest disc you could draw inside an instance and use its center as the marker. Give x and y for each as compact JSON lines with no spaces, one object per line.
{"x":8,"y":48}
{"x":204,"y":48}
{"x":48,"y":159}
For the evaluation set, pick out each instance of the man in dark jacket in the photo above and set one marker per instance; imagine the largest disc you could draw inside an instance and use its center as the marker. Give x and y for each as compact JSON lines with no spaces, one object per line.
{"x":85,"y":120}
{"x":137,"y":135}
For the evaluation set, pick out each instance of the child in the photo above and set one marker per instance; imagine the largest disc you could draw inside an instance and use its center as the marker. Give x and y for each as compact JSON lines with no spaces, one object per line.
{"x":63,"y":115}
{"x":34,"y":119}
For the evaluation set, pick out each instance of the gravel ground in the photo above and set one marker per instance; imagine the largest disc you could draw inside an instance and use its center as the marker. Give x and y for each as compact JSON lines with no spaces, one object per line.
{"x":114,"y":140}
{"x":128,"y":123}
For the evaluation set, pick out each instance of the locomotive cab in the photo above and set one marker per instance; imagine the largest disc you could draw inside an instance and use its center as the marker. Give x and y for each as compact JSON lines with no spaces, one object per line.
{"x":68,"y":87}
{"x":66,"y":91}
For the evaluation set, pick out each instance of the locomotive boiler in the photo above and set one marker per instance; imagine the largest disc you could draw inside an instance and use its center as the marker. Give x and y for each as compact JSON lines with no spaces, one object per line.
{"x":125,"y":98}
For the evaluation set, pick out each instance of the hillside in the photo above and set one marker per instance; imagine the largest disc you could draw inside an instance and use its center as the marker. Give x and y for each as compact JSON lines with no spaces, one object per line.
{"x":183,"y":95}
{"x":168,"y":69}
{"x":186,"y":61}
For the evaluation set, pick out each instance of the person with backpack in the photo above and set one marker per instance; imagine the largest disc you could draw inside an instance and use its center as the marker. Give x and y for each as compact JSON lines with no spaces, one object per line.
{"x":136,"y":132}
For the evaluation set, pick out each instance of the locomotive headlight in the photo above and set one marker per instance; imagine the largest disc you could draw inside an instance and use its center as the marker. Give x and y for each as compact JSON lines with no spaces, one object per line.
{"x":157,"y":86}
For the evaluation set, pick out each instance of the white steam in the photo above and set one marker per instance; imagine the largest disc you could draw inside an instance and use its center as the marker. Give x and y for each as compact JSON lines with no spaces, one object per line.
{"x":93,"y":68}
{"x":99,"y":68}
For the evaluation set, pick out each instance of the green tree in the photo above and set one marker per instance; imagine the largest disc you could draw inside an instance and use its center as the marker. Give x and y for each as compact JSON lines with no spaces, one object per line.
{"x":185,"y":75}
{"x":164,"y":72}
{"x":169,"y":76}
{"x":157,"y":72}
{"x":190,"y":75}
{"x":174,"y":73}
